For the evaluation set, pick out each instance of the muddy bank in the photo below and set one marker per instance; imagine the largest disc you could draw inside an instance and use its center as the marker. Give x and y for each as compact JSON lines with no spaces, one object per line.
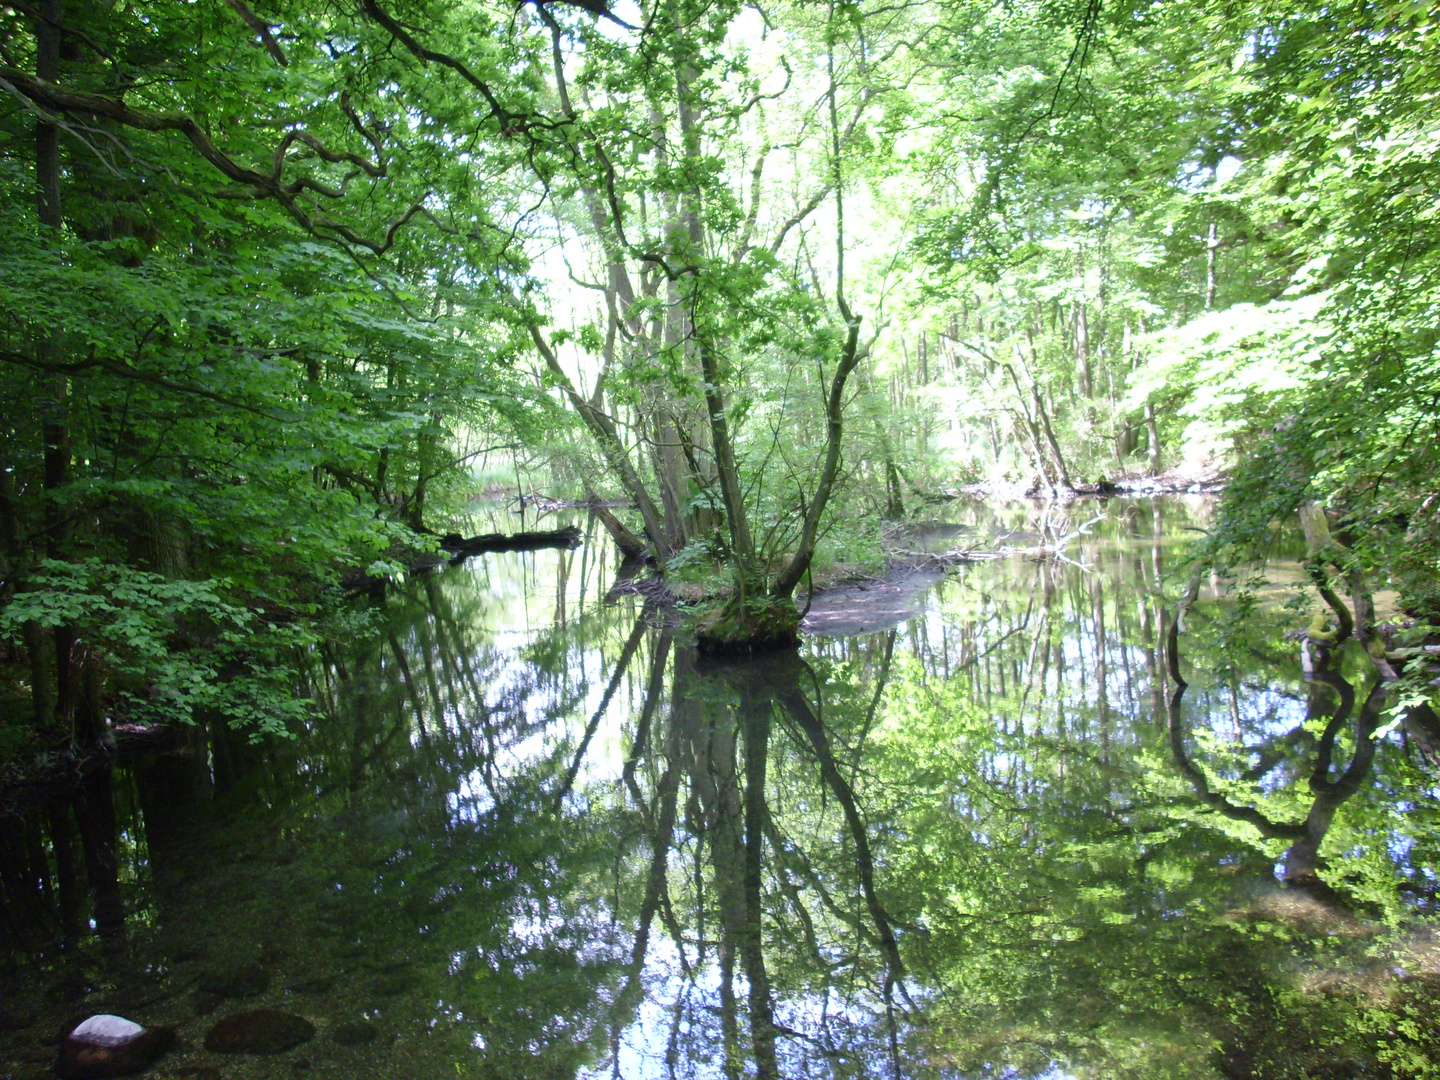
{"x":864,"y":607}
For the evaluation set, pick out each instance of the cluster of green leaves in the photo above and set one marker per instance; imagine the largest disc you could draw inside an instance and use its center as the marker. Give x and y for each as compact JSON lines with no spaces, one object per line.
{"x":251,"y":401}
{"x":175,"y":650}
{"x":1213,"y":236}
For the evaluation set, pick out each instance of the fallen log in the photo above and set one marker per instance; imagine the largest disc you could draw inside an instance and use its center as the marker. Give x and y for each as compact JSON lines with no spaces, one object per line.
{"x":939,"y":560}
{"x":460,"y":547}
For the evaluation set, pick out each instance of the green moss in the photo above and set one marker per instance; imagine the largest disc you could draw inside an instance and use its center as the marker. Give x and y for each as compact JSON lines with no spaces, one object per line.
{"x":755,"y":625}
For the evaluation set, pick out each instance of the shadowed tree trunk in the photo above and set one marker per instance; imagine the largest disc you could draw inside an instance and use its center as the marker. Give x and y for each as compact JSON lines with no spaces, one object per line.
{"x":67,"y":871}
{"x":55,"y":427}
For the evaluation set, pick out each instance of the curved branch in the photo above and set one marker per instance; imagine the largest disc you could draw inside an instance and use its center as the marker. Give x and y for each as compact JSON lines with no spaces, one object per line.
{"x":1271,"y":830}
{"x":366,"y":133}
{"x":261,"y":27}
{"x":56,"y":100}
{"x":321,"y":150}
{"x":421,"y":52}
{"x":834,"y":417}
{"x":47,"y":99}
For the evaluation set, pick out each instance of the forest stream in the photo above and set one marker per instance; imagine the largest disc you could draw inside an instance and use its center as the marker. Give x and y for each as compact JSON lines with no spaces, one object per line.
{"x":531,"y":834}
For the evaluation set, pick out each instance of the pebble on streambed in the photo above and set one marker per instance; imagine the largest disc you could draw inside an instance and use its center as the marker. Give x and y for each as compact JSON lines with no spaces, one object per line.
{"x":354,"y":1034}
{"x":102,"y":1046}
{"x":260,"y":1031}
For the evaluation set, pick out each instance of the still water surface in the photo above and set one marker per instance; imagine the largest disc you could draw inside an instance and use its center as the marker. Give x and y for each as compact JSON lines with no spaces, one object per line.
{"x":534,"y":835}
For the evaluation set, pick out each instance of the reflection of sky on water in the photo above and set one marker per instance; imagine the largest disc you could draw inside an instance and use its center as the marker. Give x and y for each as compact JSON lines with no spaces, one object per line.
{"x":1059,"y":656}
{"x":675,"y":1030}
{"x":1067,"y":853}
{"x":470,"y":801}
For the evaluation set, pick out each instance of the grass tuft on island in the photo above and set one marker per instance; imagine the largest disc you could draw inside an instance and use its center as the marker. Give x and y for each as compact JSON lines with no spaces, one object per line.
{"x":736,"y":627}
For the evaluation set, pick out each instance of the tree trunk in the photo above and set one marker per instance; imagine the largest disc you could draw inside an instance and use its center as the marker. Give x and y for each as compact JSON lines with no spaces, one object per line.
{"x":1082,"y":332}
{"x":1152,"y":432}
{"x":607,"y":435}
{"x":742,"y":544}
{"x":894,"y":501}
{"x":1043,"y":415}
{"x":790,"y":577}
{"x":630,"y":545}
{"x":1323,"y":550}
{"x":1042,"y":464}
{"x":850,"y":357}
{"x":1212,"y":253}
{"x":55,"y":426}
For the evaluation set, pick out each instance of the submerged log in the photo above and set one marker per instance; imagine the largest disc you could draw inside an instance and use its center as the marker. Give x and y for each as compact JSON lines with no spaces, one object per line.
{"x":460,"y":546}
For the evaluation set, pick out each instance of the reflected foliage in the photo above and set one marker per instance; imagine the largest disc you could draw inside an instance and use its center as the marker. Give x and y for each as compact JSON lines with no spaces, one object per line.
{"x":535,"y":835}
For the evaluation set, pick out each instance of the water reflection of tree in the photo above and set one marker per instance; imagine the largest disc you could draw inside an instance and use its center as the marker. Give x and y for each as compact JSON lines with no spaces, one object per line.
{"x":735,"y":835}
{"x":437,"y":677}
{"x":1302,"y":860}
{"x":779,"y":949}
{"x":1009,"y":801}
{"x":985,"y":808}
{"x":406,"y":847}
{"x":1079,"y":897}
